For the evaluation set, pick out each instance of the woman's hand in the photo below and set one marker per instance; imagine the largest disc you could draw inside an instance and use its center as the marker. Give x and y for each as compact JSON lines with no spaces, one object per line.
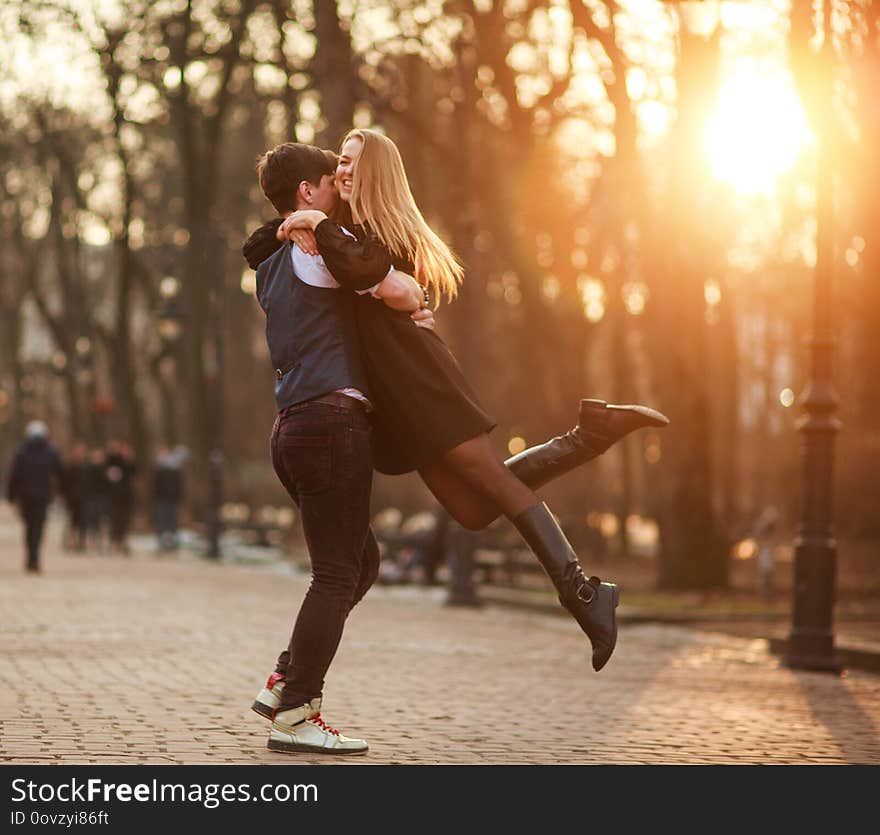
{"x":305,"y":240}
{"x":298,"y":227}
{"x":400,"y":291}
{"x":423,"y":317}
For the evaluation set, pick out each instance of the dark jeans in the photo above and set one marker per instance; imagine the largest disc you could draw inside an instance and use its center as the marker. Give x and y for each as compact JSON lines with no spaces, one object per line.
{"x":93,"y":513}
{"x":33,"y":511}
{"x":119,"y":513}
{"x":321,"y":452}
{"x":166,"y":522}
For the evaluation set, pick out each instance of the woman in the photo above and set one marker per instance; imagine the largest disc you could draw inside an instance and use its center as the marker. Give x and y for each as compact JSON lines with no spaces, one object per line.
{"x":430,"y":410}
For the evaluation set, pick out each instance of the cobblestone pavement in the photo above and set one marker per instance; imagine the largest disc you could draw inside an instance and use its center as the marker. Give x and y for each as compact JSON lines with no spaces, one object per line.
{"x":111,"y":660}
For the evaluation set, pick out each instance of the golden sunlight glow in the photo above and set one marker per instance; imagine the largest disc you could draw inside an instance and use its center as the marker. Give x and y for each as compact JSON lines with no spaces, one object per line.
{"x":756,"y":132}
{"x":635,"y":297}
{"x":745,"y":549}
{"x":551,"y":288}
{"x":653,"y":451}
{"x":592,"y":292}
{"x":248,"y":283}
{"x":712,"y":292}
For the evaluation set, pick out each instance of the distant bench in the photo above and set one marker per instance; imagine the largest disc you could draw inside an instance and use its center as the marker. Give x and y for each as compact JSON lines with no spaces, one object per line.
{"x":264,"y":526}
{"x":497,"y":554}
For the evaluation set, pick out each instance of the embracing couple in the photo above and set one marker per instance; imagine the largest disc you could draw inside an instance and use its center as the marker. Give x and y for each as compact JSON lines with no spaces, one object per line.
{"x":362,"y":381}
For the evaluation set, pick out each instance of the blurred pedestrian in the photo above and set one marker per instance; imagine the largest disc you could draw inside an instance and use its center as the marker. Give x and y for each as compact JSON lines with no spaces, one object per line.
{"x":765,"y":540}
{"x":119,"y":472}
{"x":36,"y":474}
{"x":94,"y":498}
{"x":167,"y":495}
{"x":75,"y":498}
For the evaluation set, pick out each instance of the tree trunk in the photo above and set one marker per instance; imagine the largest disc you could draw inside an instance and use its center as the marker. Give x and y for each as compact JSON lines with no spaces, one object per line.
{"x":693,"y":550}
{"x":333,"y":73}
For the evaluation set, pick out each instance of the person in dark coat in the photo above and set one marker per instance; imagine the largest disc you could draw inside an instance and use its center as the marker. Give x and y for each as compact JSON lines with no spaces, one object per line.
{"x":95,"y":498}
{"x":36,"y":475}
{"x":119,"y":472}
{"x":75,"y":498}
{"x":167,"y":495}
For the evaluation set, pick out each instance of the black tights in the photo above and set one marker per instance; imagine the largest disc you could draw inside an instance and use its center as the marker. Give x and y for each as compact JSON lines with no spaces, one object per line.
{"x":475,"y":486}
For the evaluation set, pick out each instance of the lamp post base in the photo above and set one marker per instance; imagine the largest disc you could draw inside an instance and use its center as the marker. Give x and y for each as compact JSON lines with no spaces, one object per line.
{"x":811,"y":640}
{"x":462,"y":590}
{"x":215,"y":524}
{"x":812,"y":652}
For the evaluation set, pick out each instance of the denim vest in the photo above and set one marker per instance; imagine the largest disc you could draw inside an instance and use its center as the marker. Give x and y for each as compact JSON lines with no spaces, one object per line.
{"x":310,"y":332}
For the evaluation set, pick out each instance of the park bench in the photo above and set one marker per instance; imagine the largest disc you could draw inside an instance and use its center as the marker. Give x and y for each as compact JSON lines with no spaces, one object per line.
{"x":264,"y":526}
{"x":495,"y":555}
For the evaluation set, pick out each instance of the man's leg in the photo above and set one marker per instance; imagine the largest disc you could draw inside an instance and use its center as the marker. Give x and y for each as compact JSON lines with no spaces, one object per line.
{"x":324,"y":453}
{"x":369,"y":572}
{"x":327,"y":457}
{"x":34,"y":519}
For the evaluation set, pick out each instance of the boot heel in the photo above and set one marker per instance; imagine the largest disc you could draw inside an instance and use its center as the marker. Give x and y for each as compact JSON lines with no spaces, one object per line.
{"x":616,"y":596}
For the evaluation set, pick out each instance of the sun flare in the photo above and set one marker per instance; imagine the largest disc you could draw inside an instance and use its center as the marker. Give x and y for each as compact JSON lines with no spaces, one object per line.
{"x":756,"y":132}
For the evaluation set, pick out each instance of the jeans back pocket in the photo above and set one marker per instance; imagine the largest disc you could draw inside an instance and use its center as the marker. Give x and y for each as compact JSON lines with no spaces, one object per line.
{"x":308,"y":461}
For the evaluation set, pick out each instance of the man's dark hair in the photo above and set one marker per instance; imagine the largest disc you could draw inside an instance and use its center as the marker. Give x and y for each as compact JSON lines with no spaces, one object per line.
{"x":285,"y":166}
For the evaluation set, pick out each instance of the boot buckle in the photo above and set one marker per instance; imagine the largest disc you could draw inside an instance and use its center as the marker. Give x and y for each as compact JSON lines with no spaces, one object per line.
{"x":592,"y":586}
{"x":589,"y":589}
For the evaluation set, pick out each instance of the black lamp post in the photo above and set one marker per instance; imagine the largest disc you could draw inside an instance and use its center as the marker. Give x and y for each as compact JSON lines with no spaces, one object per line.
{"x":811,"y":641}
{"x":215,"y":518}
{"x":459,"y":546}
{"x":170,"y":319}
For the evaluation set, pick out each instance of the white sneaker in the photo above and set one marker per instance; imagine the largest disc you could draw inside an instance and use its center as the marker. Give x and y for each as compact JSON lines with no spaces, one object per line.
{"x":303,"y":730}
{"x":269,"y":697}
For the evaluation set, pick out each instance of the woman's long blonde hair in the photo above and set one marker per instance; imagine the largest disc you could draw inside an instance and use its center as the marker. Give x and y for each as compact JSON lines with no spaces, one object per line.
{"x":381,"y":199}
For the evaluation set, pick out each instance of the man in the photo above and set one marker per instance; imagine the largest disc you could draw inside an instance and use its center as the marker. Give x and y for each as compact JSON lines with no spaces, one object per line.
{"x":35,"y":475}
{"x":320,"y":442}
{"x":119,"y":472}
{"x":95,"y":490}
{"x":167,"y":495}
{"x":74,"y":498}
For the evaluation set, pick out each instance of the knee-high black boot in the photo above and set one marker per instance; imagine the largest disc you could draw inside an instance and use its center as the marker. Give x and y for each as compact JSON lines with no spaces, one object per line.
{"x":599,"y":425}
{"x":590,"y":601}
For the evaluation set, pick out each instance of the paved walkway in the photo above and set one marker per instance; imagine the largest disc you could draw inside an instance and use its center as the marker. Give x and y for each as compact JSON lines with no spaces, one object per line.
{"x":145,"y":660}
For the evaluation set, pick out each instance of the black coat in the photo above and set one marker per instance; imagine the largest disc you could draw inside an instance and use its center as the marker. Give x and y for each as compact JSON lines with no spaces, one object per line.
{"x":94,"y":481}
{"x":75,"y":483}
{"x":36,"y":472}
{"x":167,"y":483}
{"x":118,"y":476}
{"x":426,"y":405}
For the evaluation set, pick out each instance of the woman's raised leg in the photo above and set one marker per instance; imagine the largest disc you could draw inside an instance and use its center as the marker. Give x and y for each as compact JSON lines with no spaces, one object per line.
{"x":591,"y":602}
{"x":599,"y":426}
{"x":469,"y":507}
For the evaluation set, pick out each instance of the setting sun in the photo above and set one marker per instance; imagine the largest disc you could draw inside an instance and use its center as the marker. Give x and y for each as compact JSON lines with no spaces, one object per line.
{"x":756,"y":132}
